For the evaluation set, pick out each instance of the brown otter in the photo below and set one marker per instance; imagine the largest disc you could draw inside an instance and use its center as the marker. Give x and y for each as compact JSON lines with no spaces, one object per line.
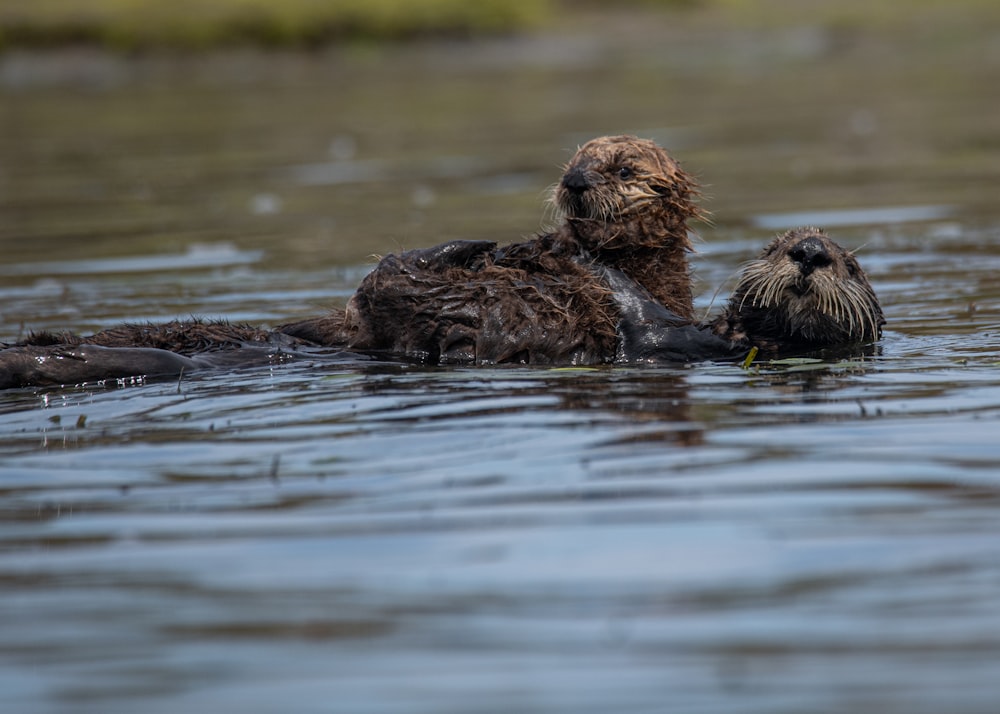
{"x":804,"y":292}
{"x":611,"y":284}
{"x":128,"y":350}
{"x":625,"y":205}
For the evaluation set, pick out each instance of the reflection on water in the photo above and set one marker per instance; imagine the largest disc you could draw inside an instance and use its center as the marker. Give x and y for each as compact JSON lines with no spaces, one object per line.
{"x":852,"y":217}
{"x":198,"y":256}
{"x":556,"y":540}
{"x":372,"y":537}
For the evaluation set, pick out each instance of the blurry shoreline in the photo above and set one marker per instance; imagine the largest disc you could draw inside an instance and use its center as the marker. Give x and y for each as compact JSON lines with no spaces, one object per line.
{"x":191,"y":25}
{"x":185,"y":27}
{"x":53,"y":43}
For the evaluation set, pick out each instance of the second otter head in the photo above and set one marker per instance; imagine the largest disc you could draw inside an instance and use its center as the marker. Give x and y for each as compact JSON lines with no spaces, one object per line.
{"x":805,"y":289}
{"x":614,"y":178}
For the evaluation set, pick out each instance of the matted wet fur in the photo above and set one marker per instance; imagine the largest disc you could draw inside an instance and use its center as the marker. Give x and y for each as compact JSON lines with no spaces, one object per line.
{"x":530,"y":303}
{"x":134,"y":349}
{"x":803,"y":292}
{"x":610,"y":284}
{"x":625,"y":204}
{"x":184,"y":337}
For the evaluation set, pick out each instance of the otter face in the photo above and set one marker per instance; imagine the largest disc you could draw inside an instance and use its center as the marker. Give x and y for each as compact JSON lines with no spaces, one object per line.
{"x":805,"y":288}
{"x":613,"y":177}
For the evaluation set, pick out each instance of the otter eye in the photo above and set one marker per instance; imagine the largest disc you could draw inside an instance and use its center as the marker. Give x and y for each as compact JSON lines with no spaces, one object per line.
{"x":625,"y":172}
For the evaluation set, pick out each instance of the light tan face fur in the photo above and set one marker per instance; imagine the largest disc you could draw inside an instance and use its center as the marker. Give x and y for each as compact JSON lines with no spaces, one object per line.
{"x":613,"y":177}
{"x":811,"y":286}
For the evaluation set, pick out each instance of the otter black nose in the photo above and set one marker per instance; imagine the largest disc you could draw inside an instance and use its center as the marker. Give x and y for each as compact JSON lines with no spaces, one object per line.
{"x":575,"y":181}
{"x":810,"y":253}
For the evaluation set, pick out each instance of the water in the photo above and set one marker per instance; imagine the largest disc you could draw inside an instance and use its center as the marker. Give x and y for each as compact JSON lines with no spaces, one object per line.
{"x":371,"y":537}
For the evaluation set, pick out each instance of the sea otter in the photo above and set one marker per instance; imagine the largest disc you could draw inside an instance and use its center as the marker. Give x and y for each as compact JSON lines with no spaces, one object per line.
{"x":625,"y":205}
{"x":609,"y":285}
{"x":804,"y":292}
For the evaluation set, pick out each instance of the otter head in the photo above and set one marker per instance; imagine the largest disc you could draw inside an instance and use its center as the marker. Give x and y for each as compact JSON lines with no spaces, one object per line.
{"x":613,"y":178}
{"x":806,"y":290}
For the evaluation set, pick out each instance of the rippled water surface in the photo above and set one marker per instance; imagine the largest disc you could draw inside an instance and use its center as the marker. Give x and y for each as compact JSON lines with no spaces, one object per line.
{"x":334,"y":535}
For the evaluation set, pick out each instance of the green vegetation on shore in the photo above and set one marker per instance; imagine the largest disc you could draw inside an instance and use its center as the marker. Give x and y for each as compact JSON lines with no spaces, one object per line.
{"x":193,"y":24}
{"x":205,"y":24}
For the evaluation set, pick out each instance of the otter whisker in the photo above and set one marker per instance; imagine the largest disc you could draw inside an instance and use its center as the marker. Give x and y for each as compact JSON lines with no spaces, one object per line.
{"x":759,"y":286}
{"x":842,"y":310}
{"x":775,"y":289}
{"x":766,"y":293}
{"x":615,"y":210}
{"x":552,"y":212}
{"x":850,"y":311}
{"x":873,"y":321}
{"x":833,"y":304}
{"x":857,"y":302}
{"x":866,"y":314}
{"x":765,"y":290}
{"x":778,"y":305}
{"x":752,"y":285}
{"x":821,"y":298}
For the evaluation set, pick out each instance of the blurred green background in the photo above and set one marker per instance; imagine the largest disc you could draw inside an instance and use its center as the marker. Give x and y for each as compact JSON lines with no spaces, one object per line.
{"x":144,"y":24}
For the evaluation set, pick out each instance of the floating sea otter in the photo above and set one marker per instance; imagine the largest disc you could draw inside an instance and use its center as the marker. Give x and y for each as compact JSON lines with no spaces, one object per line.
{"x":610,"y":285}
{"x":625,"y":206}
{"x":804,"y":292}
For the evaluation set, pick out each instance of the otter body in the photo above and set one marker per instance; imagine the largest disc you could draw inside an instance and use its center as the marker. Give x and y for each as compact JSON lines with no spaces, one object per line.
{"x":609,"y":285}
{"x":625,"y":204}
{"x":530,"y":303}
{"x":133,"y":350}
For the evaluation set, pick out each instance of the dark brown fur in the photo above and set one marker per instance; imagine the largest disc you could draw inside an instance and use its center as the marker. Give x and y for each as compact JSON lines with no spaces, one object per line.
{"x":609,"y":284}
{"x":625,"y":204}
{"x":185,"y":337}
{"x":804,"y":292}
{"x":637,"y":222}
{"x":546,"y":309}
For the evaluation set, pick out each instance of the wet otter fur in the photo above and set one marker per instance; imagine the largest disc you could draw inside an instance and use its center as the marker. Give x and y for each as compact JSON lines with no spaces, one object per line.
{"x":804,"y":292}
{"x":128,"y":350}
{"x":625,"y":205}
{"x":186,"y":337}
{"x":609,"y":285}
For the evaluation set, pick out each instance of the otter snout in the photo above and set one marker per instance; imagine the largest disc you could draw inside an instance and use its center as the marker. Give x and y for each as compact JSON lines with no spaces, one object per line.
{"x":575,"y":181}
{"x":810,"y":254}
